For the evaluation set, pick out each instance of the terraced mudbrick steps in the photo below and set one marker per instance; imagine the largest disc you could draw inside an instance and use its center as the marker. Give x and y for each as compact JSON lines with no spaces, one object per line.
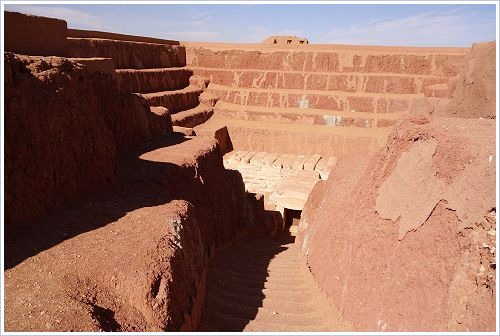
{"x":156,"y":185}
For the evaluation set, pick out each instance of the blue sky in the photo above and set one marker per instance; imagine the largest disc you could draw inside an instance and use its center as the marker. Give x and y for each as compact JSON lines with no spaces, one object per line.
{"x":414,"y":24}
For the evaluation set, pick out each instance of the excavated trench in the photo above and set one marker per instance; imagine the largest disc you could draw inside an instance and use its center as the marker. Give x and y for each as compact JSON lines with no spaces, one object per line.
{"x":258,"y":283}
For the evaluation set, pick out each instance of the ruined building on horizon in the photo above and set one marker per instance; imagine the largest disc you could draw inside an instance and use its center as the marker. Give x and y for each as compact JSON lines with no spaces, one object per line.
{"x":157,"y":185}
{"x":285,"y":39}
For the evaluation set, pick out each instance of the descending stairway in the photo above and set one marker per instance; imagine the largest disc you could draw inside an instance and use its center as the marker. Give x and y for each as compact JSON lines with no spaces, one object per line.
{"x":257,"y":284}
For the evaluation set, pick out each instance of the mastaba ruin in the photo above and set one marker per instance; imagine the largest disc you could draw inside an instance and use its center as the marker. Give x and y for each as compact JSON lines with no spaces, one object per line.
{"x":157,"y":185}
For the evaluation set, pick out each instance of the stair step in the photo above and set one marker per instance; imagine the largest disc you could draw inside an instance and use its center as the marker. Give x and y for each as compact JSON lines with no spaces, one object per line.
{"x":295,"y":286}
{"x":238,"y":310}
{"x":206,"y":326}
{"x":230,"y":316}
{"x":241,"y":266}
{"x":255,"y":296}
{"x":265,"y":316}
{"x":316,"y":99}
{"x":287,"y":306}
{"x":301,"y":139}
{"x":214,"y":301}
{"x":254,"y":326}
{"x":153,"y":80}
{"x":128,"y":54}
{"x":222,"y":322}
{"x":175,"y":101}
{"x":287,"y":295}
{"x":259,"y":288}
{"x":290,"y":115}
{"x":263,"y":255}
{"x":328,"y":81}
{"x":192,"y":117}
{"x":253,"y":265}
{"x":257,"y":262}
{"x":240,"y":277}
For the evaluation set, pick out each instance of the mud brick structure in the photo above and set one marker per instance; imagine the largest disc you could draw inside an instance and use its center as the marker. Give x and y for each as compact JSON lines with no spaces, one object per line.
{"x":157,"y":185}
{"x":279,"y":39}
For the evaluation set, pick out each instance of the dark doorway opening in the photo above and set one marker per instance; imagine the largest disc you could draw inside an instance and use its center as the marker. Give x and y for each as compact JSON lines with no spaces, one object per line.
{"x":292,"y":217}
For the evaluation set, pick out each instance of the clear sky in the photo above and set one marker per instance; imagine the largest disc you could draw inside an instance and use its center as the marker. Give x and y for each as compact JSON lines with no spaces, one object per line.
{"x":411,"y":24}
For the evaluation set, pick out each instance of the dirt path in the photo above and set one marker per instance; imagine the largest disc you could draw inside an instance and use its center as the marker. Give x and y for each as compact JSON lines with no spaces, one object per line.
{"x":258,"y":284}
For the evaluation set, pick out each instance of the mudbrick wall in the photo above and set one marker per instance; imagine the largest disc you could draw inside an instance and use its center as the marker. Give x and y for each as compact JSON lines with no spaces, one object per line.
{"x":414,"y":225}
{"x":111,"y":217}
{"x":35,"y":35}
{"x":64,"y":126}
{"x":320,"y":100}
{"x":139,"y":260}
{"x":322,"y":90}
{"x":128,"y":54}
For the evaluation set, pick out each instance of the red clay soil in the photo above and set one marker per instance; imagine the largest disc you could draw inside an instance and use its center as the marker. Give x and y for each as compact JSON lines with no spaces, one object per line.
{"x":124,"y":276}
{"x":475,"y":95}
{"x":409,"y":243}
{"x":83,"y":257}
{"x":131,"y":259}
{"x":69,"y":147}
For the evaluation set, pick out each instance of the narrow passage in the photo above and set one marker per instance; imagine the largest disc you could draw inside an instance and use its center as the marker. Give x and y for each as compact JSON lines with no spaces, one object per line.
{"x":257,"y":284}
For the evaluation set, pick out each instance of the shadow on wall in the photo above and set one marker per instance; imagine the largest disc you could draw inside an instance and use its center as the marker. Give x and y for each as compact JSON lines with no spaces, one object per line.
{"x":143,"y":184}
{"x":64,"y":127}
{"x":236,"y":283}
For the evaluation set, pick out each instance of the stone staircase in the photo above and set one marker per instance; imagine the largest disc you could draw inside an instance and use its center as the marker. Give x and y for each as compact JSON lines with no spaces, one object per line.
{"x":157,"y":72}
{"x":257,"y":284}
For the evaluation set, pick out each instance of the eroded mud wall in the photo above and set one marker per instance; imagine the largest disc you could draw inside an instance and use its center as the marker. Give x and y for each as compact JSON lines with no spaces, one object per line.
{"x":475,"y":96}
{"x":64,"y":126}
{"x":413,"y":229}
{"x":409,"y":242}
